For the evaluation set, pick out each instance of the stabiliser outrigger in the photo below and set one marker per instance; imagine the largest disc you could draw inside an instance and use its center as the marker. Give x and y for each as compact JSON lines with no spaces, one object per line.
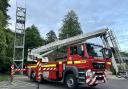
{"x":85,"y":63}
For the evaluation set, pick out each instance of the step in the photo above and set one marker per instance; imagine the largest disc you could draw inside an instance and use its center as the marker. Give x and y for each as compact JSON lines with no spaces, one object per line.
{"x":81,"y":77}
{"x":81,"y":80}
{"x":81,"y":72}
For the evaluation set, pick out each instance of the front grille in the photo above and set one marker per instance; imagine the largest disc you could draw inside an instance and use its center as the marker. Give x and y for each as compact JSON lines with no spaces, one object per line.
{"x":98,"y":65}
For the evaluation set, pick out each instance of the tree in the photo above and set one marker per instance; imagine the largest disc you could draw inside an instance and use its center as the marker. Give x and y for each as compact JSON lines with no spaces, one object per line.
{"x":33,"y":39}
{"x":3,"y":9}
{"x":71,"y":26}
{"x":5,"y":38}
{"x":125,"y":54}
{"x":9,"y":42}
{"x":51,"y":36}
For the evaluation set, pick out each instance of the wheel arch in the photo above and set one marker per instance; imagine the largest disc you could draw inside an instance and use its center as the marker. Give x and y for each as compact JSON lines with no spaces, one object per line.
{"x":70,"y":70}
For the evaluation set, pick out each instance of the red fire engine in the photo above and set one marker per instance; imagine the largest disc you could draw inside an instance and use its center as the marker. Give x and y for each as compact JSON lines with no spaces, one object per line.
{"x":84,"y":63}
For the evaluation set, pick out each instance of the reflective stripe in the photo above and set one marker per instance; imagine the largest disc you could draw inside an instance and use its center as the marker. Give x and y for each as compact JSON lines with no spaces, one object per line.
{"x":88,"y":80}
{"x":109,"y":63}
{"x":38,"y":63}
{"x":81,"y":61}
{"x":77,"y":62}
{"x":49,"y":65}
{"x":69,"y":62}
{"x":46,"y":69}
{"x":46,"y":65}
{"x":92,"y":82}
{"x":31,"y":66}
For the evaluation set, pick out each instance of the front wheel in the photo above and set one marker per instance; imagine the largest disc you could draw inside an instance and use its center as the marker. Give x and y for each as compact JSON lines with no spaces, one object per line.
{"x":71,"y":81}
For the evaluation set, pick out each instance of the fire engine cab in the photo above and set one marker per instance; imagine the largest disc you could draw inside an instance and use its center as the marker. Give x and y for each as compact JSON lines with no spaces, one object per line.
{"x":85,"y":63}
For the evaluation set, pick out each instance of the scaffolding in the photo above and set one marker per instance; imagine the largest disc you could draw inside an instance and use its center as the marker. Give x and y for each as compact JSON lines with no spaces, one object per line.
{"x":19,"y":41}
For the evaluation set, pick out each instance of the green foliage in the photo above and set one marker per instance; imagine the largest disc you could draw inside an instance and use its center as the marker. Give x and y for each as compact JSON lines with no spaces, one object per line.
{"x":3,"y":44}
{"x":2,"y":19}
{"x":51,"y":36}
{"x":9,"y":42}
{"x":6,"y":38}
{"x":3,"y":12}
{"x":33,"y":39}
{"x":125,"y":54}
{"x":71,"y":26}
{"x":6,"y":49}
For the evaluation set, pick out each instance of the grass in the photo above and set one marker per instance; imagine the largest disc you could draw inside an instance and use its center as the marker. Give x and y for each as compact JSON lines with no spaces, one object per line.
{"x":4,"y":77}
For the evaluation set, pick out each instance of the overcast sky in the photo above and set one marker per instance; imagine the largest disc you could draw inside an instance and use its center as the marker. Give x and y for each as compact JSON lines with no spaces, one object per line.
{"x":93,"y":14}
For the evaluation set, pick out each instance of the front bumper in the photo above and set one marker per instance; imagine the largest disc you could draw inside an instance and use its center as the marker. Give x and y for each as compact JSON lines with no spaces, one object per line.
{"x":97,"y":79}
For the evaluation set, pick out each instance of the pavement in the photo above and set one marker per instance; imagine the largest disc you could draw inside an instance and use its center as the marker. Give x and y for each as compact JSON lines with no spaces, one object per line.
{"x":22,"y":82}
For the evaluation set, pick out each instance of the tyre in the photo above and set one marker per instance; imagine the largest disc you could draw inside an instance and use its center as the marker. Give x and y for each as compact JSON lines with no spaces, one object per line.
{"x":71,"y":81}
{"x":42,"y":80}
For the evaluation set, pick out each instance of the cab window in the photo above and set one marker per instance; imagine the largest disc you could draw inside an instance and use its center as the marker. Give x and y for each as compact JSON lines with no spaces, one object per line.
{"x":77,"y":50}
{"x":73,"y":50}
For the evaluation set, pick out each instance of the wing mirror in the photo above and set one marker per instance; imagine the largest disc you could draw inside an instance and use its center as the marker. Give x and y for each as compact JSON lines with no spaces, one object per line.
{"x":107,"y":52}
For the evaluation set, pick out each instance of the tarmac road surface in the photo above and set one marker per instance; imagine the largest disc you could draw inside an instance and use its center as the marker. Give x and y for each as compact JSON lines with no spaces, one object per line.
{"x":25,"y":83}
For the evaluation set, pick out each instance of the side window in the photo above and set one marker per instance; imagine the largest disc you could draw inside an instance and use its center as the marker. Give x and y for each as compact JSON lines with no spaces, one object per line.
{"x":80,"y":50}
{"x":73,"y":50}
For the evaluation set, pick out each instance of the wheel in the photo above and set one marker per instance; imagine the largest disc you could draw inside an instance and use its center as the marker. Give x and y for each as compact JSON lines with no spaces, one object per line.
{"x":71,"y":81}
{"x":42,"y":80}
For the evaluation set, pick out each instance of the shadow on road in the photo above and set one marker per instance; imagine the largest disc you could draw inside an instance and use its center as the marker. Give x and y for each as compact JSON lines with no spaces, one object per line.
{"x":59,"y":85}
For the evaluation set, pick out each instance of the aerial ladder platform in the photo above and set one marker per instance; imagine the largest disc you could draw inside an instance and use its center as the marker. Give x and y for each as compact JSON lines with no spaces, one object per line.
{"x":108,"y":39}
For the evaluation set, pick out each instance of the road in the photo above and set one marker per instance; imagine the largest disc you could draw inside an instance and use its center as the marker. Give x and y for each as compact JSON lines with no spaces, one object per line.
{"x":24,"y":83}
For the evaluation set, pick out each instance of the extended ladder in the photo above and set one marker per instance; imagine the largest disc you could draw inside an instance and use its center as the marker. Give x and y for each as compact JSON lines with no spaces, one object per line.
{"x":110,"y":41}
{"x":116,"y":48}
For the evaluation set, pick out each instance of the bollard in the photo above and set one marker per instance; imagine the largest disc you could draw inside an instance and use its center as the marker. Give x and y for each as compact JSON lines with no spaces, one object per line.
{"x":12,"y":73}
{"x":38,"y":72}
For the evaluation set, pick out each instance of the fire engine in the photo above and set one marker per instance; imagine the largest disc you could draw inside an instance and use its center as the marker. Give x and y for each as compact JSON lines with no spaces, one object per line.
{"x":84,"y":63}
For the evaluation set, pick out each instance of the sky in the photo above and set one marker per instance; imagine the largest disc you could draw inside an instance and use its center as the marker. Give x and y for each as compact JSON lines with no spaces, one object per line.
{"x":93,"y":14}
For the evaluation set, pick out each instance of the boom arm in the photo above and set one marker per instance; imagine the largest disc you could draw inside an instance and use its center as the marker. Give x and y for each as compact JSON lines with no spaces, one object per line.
{"x":60,"y":43}
{"x":69,"y":41}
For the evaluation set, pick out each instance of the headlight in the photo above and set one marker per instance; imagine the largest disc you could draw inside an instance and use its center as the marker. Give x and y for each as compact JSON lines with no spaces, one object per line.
{"x":90,"y":73}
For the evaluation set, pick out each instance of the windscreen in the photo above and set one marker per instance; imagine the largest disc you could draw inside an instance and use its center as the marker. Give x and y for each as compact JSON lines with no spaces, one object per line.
{"x":94,"y":50}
